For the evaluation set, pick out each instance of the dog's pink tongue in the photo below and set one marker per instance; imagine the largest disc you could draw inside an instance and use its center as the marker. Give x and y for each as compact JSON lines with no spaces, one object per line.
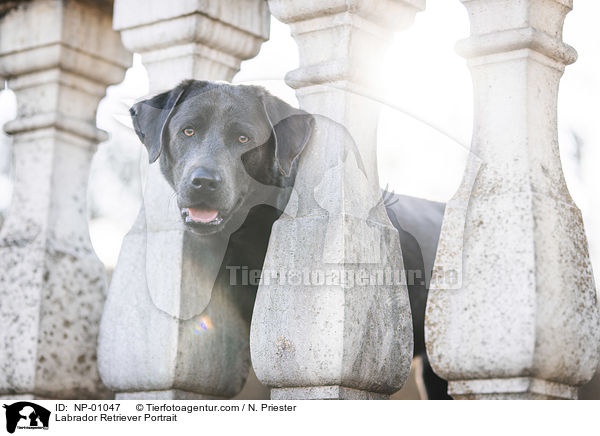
{"x":203,"y":215}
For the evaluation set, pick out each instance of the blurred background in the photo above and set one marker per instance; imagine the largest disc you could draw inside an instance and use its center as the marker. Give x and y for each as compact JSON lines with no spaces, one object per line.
{"x":423,"y":137}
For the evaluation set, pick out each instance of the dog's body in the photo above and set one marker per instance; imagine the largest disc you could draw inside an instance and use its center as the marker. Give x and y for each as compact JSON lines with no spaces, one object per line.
{"x":230,"y":154}
{"x":419,"y":223}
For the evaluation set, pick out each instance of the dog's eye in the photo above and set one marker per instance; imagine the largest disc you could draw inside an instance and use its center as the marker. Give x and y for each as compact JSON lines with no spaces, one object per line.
{"x":243,"y":139}
{"x":188,"y":132}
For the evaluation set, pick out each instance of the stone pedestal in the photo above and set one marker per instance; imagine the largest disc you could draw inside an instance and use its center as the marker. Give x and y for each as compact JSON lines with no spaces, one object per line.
{"x":150,"y":345}
{"x":523,"y":320}
{"x":58,"y":57}
{"x":322,"y":328}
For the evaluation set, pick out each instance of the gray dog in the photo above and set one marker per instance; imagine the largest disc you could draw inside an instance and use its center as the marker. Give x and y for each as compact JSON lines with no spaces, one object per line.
{"x":231,"y":153}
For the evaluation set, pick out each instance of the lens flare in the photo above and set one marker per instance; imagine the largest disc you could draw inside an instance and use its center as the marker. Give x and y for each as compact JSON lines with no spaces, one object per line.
{"x":202,"y":324}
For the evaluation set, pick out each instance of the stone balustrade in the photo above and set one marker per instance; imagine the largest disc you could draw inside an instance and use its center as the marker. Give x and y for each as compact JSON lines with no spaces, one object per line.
{"x":52,"y":285}
{"x":366,"y":351}
{"x":521,"y":322}
{"x":161,"y":287}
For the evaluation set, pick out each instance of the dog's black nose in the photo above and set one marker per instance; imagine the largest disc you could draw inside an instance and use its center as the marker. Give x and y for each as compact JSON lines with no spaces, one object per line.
{"x":204,"y":179}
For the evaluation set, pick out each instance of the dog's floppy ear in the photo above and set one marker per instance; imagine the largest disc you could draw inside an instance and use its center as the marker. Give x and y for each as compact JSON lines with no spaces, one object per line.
{"x":291,"y":130}
{"x":151,"y":116}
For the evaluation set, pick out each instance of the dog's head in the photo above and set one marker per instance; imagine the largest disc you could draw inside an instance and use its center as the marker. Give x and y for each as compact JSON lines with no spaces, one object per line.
{"x":219,"y":144}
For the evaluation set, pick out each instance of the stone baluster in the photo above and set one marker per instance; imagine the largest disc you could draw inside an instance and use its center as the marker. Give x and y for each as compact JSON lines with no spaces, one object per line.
{"x":523,"y":322}
{"x":322,"y":328}
{"x":58,"y":57}
{"x":154,"y":340}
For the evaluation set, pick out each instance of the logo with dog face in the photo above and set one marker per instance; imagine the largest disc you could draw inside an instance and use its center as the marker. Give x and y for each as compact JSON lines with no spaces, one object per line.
{"x":26,"y":415}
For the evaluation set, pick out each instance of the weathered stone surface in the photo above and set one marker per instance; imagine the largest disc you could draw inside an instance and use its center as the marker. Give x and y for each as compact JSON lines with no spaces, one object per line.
{"x":162,"y":284}
{"x":203,"y":39}
{"x":515,"y":388}
{"x":52,"y":285}
{"x":324,"y":393}
{"x":522,"y":321}
{"x":317,"y":338}
{"x":165,"y":395}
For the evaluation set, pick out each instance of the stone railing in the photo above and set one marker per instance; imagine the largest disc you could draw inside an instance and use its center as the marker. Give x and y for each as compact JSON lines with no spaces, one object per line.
{"x":52,"y":285}
{"x":521,"y":323}
{"x":524,"y":321}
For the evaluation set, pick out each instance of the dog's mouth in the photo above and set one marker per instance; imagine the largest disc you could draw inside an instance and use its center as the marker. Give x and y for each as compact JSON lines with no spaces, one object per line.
{"x":201,"y":217}
{"x":204,"y":219}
